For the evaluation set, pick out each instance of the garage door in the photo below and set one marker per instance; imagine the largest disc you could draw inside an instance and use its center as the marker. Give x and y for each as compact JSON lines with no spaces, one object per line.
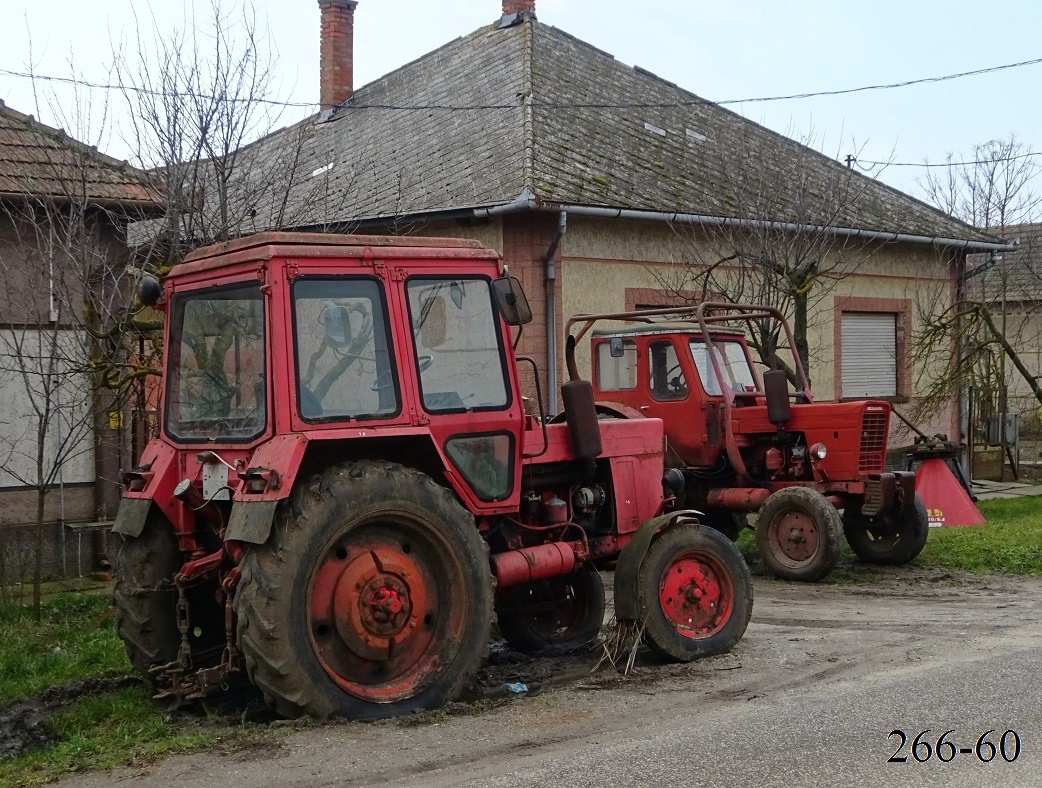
{"x":869,"y":342}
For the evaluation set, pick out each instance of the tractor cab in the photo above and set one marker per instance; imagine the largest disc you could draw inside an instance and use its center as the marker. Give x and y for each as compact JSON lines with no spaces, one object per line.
{"x":666,"y":370}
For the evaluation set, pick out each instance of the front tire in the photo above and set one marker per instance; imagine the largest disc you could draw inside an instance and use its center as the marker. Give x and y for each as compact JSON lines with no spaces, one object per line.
{"x":372,"y":597}
{"x":695,"y":593}
{"x":798,"y":534}
{"x":888,"y":540}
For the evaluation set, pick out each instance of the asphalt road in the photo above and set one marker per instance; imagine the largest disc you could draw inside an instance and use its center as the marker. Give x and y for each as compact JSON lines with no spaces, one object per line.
{"x":824,"y":736}
{"x":808,"y":698}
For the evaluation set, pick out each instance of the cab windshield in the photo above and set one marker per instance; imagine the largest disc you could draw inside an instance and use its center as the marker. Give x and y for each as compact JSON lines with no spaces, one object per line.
{"x":734,"y":366}
{"x":216,"y":379}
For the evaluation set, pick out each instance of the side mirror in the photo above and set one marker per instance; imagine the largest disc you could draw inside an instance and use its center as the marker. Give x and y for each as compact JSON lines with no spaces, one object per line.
{"x":337,"y":322}
{"x":456,"y":292}
{"x":511,"y":301}
{"x":149,"y":291}
{"x":616,"y":347}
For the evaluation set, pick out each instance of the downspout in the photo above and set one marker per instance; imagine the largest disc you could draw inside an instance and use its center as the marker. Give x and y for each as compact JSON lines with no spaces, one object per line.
{"x":551,"y":312}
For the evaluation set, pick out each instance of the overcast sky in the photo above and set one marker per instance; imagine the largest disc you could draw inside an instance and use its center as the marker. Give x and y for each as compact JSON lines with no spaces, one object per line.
{"x":719,"y":50}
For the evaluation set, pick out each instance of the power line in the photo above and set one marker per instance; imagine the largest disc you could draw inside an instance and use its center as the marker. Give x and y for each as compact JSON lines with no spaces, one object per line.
{"x":548,"y":105}
{"x":1001,"y":160}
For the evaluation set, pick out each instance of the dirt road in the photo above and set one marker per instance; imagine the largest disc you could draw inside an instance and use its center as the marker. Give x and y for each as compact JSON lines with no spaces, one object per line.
{"x":886,"y":627}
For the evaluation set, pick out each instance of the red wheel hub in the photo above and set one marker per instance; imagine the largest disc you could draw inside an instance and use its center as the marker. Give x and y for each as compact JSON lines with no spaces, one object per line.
{"x":696,"y":595}
{"x":794,"y":536}
{"x":374,"y":615}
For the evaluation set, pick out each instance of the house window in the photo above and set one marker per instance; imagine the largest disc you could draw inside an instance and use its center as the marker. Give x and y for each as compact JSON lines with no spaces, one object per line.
{"x":869,"y":360}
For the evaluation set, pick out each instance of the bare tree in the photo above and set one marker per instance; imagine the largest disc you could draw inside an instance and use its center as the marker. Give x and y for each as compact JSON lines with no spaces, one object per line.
{"x":786,"y":254}
{"x":54,"y":254}
{"x":992,"y":189}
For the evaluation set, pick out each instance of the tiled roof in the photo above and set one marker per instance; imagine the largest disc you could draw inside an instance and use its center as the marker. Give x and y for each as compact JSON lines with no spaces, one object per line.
{"x":1020,"y":271}
{"x":684,"y":155}
{"x":38,"y":161}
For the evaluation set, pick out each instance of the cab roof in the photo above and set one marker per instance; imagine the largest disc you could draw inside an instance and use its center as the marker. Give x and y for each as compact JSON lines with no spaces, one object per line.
{"x":265,"y":246}
{"x":665,"y":327}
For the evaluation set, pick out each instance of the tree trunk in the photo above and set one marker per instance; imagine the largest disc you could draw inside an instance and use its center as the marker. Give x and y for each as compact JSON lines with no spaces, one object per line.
{"x":799,"y":327}
{"x":41,"y":500}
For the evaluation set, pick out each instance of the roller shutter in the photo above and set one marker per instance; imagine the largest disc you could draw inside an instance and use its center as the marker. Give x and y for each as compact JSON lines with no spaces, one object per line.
{"x":869,"y":343}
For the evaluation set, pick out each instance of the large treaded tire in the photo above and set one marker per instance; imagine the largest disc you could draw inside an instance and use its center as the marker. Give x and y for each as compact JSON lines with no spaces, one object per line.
{"x":891,"y":540}
{"x":299,"y":646}
{"x":798,"y":534}
{"x":572,"y":624}
{"x":144,"y":597}
{"x":694,"y":592}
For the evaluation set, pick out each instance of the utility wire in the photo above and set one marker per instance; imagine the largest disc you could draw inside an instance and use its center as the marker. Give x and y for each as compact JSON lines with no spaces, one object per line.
{"x":549,"y":105}
{"x":1001,"y":160}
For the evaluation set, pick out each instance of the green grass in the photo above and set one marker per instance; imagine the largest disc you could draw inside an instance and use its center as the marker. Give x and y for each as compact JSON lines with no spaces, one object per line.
{"x":113,"y":722}
{"x":1010,"y":542}
{"x":105,"y":731}
{"x":70,"y":643}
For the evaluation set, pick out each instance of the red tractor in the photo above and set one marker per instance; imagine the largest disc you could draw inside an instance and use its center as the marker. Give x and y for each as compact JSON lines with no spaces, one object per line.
{"x":346,"y":486}
{"x":740,"y":442}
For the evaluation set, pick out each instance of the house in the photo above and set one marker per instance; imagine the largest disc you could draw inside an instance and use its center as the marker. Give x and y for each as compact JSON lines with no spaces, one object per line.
{"x":64,"y":208}
{"x":607,"y":188}
{"x":1010,"y":285}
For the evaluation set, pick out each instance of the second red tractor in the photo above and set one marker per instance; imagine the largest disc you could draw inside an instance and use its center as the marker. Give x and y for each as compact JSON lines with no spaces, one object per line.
{"x":739,"y":441}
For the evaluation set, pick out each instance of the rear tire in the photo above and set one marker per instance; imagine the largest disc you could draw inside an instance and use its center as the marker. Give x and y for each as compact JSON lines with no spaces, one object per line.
{"x":694,"y":592}
{"x":889,"y":540}
{"x":372,"y":597}
{"x":144,"y":597}
{"x":798,"y":534}
{"x":565,"y":613}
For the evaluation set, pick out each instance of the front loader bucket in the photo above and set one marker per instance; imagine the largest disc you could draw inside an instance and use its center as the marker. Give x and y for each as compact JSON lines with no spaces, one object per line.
{"x":946,"y":501}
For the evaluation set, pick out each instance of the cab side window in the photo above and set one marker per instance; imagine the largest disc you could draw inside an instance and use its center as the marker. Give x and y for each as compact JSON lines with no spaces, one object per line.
{"x":667,"y":377}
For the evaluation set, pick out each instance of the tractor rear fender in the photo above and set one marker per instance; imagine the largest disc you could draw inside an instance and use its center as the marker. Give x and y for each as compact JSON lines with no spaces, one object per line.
{"x":274,"y":466}
{"x":632,"y":556}
{"x":131,"y":517}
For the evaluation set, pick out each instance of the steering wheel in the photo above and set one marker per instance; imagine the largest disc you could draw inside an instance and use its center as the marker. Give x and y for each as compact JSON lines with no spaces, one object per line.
{"x":675,"y":384}
{"x":386,"y":378}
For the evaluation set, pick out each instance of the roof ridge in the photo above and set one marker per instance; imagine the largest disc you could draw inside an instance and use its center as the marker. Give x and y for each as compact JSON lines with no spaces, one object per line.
{"x":527,"y":119}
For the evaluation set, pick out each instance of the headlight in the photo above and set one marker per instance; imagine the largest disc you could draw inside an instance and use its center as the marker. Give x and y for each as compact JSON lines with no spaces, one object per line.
{"x":819,"y":450}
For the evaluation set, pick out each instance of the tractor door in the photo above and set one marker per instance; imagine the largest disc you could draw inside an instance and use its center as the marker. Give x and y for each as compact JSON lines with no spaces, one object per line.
{"x":467,"y":388}
{"x":674,"y":397}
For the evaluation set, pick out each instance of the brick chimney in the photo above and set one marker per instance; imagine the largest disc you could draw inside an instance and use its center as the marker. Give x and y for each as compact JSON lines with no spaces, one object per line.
{"x":517,"y":6}
{"x":337,"y":65}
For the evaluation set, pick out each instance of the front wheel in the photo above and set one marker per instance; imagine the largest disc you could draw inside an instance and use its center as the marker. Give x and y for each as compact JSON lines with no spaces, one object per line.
{"x":553,"y":616}
{"x":888,"y":540}
{"x":695,"y":593}
{"x":372,"y":597}
{"x":798,"y":534}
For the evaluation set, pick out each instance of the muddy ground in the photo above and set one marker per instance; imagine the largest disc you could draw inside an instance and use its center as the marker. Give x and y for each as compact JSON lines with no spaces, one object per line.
{"x":802,"y":636}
